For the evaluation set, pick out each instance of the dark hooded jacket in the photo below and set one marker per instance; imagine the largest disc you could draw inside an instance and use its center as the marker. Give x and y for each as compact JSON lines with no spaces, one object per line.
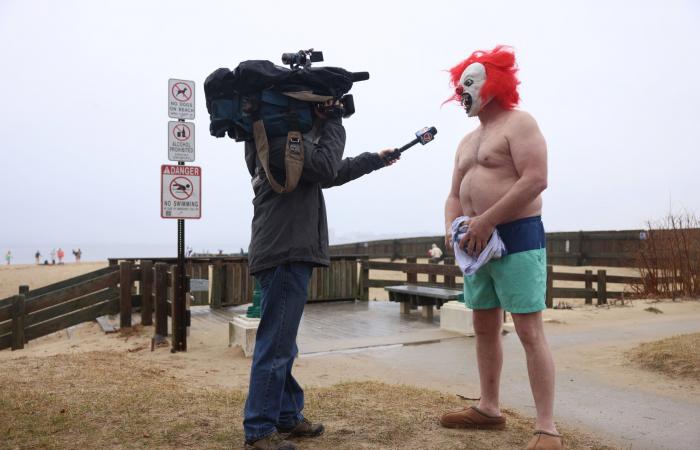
{"x":292,"y":227}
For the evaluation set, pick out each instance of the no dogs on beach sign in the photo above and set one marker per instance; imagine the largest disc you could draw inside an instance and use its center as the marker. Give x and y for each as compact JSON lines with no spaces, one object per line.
{"x":181,"y":192}
{"x":180,"y":99}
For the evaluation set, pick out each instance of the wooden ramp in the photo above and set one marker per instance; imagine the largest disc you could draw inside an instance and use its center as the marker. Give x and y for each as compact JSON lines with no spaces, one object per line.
{"x":36,"y":313}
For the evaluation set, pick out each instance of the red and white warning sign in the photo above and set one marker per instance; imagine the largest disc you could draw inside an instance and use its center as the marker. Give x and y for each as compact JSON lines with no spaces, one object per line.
{"x":180,"y":99}
{"x":181,"y":192}
{"x":180,"y":141}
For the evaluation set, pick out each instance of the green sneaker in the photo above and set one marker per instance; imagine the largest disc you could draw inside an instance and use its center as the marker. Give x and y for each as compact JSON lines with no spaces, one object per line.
{"x":303,"y":429}
{"x":272,"y":441}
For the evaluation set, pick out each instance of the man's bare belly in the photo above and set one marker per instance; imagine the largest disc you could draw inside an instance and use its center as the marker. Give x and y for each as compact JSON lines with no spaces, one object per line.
{"x":483,"y":186}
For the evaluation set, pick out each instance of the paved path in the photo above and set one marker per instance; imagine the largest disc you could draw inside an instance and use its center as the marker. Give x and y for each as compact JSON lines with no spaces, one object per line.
{"x":627,"y":414}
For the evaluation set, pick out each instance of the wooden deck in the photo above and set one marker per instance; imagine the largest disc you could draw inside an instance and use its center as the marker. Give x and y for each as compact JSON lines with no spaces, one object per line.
{"x":340,"y":326}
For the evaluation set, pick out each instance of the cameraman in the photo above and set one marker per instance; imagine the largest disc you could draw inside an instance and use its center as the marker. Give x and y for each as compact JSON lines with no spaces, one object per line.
{"x":289,"y":238}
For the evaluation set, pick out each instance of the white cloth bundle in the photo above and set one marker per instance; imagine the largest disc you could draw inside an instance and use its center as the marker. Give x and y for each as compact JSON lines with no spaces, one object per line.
{"x":495,"y":248}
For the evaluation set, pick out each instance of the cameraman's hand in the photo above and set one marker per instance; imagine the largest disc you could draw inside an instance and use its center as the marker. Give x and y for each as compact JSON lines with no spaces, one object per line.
{"x":319,"y":109}
{"x":386,"y":152}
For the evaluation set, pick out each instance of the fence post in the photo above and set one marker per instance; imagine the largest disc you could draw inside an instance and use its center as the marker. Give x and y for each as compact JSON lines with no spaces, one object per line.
{"x":449,"y":279}
{"x":589,"y":287}
{"x":602,"y":288}
{"x":354,"y":282}
{"x":147,"y":292}
{"x":215,"y":284}
{"x":411,"y":278}
{"x":18,"y":317}
{"x":228,"y":284}
{"x":174,"y":316}
{"x":364,"y":278}
{"x":160,"y":295}
{"x":125,"y":282}
{"x":549,"y":299}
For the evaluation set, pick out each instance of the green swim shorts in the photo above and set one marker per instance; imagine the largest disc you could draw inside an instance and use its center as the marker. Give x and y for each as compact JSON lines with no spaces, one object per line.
{"x":516,"y":282}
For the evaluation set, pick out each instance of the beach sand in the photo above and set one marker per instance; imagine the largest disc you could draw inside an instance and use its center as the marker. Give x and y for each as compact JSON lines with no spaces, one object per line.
{"x":36,"y":276}
{"x":589,"y":341}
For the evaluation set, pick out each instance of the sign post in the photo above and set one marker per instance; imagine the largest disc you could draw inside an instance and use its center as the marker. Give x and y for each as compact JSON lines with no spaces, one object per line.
{"x":180,"y":193}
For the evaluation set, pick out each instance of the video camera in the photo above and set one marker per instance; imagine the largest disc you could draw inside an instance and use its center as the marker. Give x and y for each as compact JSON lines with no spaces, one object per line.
{"x":302,"y":60}
{"x":284,"y":98}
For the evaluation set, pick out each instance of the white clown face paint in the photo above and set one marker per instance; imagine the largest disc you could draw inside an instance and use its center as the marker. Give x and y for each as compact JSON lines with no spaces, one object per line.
{"x":470,"y":83}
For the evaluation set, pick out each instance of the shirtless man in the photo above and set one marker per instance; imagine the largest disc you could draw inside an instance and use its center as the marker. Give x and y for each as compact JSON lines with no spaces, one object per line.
{"x":500,"y":171}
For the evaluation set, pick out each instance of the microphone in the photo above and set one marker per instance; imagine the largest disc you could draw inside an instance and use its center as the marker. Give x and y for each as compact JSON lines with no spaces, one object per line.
{"x":424,"y":135}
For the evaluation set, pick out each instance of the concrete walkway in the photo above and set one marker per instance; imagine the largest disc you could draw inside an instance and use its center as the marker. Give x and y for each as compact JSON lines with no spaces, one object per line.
{"x":408,"y":349}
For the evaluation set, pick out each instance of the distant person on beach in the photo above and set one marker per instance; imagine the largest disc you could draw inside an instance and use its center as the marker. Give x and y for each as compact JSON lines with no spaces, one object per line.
{"x":53,"y":256}
{"x":8,"y":257}
{"x":77,"y":254}
{"x":500,"y":171}
{"x":435,"y":254}
{"x":60,"y":254}
{"x":37,"y":257}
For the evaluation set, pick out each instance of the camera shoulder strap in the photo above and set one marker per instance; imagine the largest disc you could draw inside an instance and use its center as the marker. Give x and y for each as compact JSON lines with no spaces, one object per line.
{"x":293,"y":157}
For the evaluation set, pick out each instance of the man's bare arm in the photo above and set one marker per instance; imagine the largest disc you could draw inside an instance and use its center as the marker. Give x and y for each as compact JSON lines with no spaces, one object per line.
{"x":453,"y":207}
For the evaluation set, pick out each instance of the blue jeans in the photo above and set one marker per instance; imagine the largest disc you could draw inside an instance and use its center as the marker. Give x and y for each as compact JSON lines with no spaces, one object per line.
{"x":274,"y":396}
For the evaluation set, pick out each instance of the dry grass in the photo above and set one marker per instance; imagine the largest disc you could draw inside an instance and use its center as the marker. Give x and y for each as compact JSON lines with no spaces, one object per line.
{"x":108,"y":400}
{"x":677,"y":356}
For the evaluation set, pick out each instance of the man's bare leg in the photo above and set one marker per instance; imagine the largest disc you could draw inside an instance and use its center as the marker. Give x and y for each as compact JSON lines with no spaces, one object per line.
{"x":540,"y":367}
{"x":489,"y":357}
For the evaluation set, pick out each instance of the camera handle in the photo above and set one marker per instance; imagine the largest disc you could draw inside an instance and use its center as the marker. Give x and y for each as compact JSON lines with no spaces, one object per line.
{"x":424,"y":135}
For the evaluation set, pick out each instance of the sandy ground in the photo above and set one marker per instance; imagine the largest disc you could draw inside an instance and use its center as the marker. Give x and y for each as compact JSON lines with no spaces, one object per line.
{"x":36,"y":276}
{"x":588,"y":343}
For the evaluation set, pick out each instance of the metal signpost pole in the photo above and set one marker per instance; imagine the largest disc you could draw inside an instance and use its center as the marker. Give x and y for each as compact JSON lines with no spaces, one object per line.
{"x":180,"y":307}
{"x":180,"y":194}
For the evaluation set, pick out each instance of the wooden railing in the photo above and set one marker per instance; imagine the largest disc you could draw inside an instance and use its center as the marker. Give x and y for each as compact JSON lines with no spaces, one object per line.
{"x":580,"y":248}
{"x":230,"y":283}
{"x":601,"y":292}
{"x":450,"y":272}
{"x":32,"y":314}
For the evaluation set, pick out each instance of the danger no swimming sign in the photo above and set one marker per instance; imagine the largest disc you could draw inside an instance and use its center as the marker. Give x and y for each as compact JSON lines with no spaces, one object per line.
{"x":181,"y":192}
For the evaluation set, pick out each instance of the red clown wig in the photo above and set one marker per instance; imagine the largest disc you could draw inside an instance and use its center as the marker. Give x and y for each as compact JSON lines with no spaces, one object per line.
{"x":501,"y":83}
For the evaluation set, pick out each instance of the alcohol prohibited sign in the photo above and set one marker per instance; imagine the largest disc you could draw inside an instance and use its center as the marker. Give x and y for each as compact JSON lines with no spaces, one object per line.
{"x":181,"y":192}
{"x":180,"y":141}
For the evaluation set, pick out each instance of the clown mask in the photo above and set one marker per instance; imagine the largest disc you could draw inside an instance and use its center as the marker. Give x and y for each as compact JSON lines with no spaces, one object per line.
{"x":469,"y":89}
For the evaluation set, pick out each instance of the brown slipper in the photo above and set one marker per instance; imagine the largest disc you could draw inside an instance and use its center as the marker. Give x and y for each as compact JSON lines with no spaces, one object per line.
{"x":545,"y":441}
{"x":473,"y":418}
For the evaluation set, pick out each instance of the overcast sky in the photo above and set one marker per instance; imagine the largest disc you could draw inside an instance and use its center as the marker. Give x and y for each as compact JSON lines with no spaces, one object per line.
{"x":613,"y":85}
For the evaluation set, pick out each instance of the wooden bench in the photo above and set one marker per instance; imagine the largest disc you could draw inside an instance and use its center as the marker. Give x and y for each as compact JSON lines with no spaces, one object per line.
{"x":411,"y":297}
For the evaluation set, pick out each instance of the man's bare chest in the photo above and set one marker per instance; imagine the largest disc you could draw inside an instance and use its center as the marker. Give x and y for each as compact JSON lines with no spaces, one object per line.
{"x":489,"y":150}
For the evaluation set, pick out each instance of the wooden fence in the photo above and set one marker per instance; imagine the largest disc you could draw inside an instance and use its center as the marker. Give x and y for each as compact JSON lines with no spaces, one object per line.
{"x":109,"y":291}
{"x":35,"y":313}
{"x":595,"y":248}
{"x":118,"y":288}
{"x":450,"y":273}
{"x":230,"y":282}
{"x":601,"y":292}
